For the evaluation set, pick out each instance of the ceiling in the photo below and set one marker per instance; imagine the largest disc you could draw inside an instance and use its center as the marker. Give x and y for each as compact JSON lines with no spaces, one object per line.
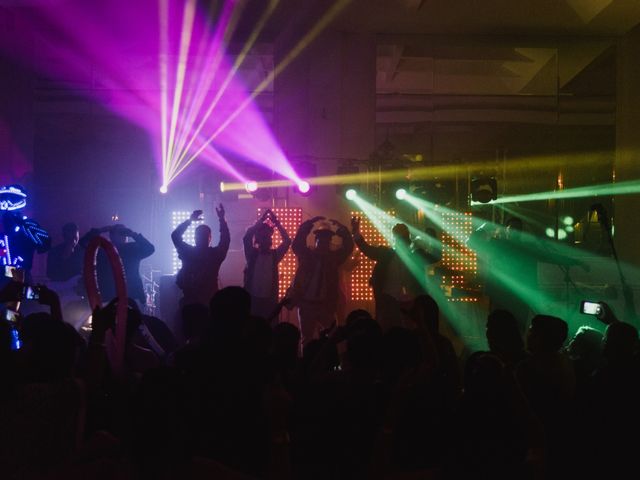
{"x":494,"y":17}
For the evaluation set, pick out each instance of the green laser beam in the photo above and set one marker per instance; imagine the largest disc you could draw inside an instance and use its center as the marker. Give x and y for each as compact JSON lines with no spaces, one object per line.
{"x":629,"y":187}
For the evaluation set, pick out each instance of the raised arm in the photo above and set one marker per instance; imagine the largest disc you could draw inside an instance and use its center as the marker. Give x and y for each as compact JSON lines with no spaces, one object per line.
{"x":143,"y":246}
{"x":281,"y":251}
{"x":374,"y":253}
{"x":178,"y":233}
{"x":345,"y":250}
{"x":225,"y":237}
{"x":94,"y":232}
{"x":247,"y":239}
{"x":299,"y":245}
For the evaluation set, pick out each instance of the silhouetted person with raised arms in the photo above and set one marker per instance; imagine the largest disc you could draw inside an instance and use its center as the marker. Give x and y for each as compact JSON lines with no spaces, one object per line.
{"x":198,"y":277}
{"x":316,"y":283}
{"x":261,"y":272}
{"x":398,"y":273}
{"x":133,"y":248}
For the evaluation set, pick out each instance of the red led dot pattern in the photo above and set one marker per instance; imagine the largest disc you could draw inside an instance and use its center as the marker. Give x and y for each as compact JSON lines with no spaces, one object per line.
{"x":458,"y":260}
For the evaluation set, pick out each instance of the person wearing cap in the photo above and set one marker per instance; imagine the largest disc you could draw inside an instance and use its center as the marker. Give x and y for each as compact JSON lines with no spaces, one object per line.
{"x":198,"y":277}
{"x":394,"y":284}
{"x":316,"y":283}
{"x":132,"y":248}
{"x":261,"y":272}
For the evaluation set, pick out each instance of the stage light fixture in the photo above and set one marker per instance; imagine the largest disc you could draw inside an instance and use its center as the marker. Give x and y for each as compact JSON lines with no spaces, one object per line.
{"x":484,"y":189}
{"x":401,"y":194}
{"x":303,"y":187}
{"x":163,"y":189}
{"x":251,"y":187}
{"x":304,"y":169}
{"x":351,"y":194}
{"x":222,"y":187}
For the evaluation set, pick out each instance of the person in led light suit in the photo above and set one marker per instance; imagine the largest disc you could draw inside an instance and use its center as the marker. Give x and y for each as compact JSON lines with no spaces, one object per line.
{"x":21,"y":237}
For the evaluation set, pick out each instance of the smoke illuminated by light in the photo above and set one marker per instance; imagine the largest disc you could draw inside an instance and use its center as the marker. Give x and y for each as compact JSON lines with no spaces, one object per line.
{"x":190,"y":99}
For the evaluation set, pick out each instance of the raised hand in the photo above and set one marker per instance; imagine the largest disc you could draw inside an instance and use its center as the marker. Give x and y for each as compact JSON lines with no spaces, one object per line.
{"x":220,"y":212}
{"x":355,"y":225}
{"x":196,"y":215}
{"x":274,"y":217}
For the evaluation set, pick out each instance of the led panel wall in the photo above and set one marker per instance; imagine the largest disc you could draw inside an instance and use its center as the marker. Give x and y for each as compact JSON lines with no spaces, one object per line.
{"x":177,"y":217}
{"x":459,"y":262}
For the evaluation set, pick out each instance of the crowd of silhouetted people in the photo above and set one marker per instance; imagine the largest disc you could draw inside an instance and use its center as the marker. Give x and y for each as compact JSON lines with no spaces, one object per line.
{"x":238,"y":395}
{"x":239,"y":399}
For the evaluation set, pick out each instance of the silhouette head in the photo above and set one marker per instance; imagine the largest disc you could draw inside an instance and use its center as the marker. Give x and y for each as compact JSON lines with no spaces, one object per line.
{"x":401,"y":234}
{"x":620,"y":342}
{"x":118,"y":235}
{"x":323,"y":239}
{"x":503,"y":332}
{"x":264,"y":237}
{"x":546,"y":334}
{"x":203,"y":236}
{"x":71,"y":233}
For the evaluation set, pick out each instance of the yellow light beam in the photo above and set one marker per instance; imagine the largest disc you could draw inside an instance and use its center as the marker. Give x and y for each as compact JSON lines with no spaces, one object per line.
{"x":194,"y":80}
{"x":525,"y":164}
{"x":337,"y":7}
{"x":239,"y":60}
{"x":185,"y":41}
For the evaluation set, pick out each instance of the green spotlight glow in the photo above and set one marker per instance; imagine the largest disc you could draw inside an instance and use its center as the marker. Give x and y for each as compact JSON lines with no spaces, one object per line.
{"x":384,"y":222}
{"x":351,"y":194}
{"x":567,"y":220}
{"x":562,"y":234}
{"x":550,"y":232}
{"x":622,"y":188}
{"x":401,"y":194}
{"x":509,"y":275}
